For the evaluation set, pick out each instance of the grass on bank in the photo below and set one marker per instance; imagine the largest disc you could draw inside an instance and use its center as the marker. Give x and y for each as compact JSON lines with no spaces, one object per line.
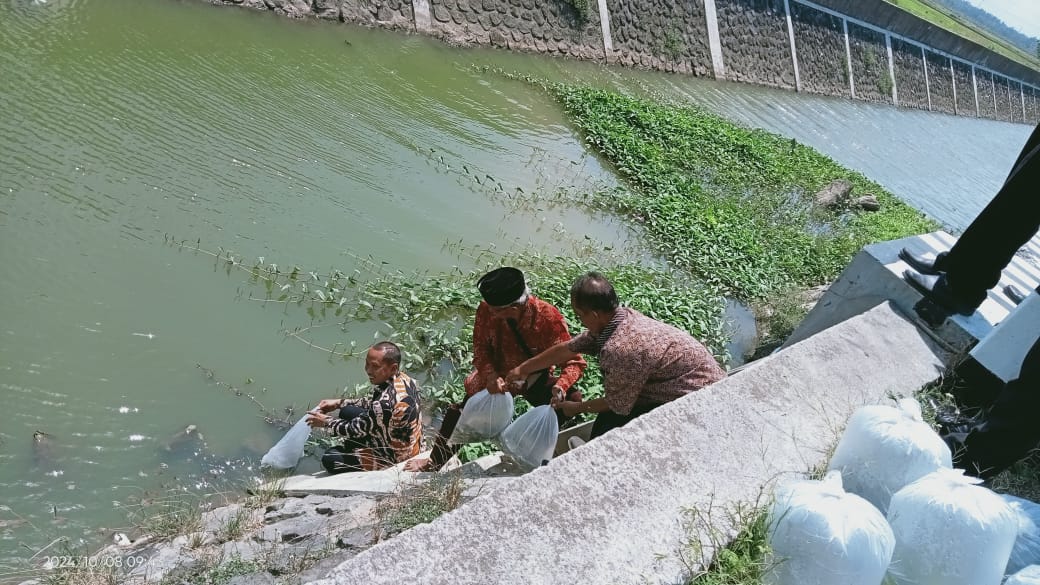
{"x":958,"y":25}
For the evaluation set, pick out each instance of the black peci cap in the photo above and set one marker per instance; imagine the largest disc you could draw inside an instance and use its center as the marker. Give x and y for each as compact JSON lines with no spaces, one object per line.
{"x":502,"y":286}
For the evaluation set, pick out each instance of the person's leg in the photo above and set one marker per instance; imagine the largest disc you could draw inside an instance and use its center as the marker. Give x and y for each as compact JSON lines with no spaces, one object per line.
{"x":342,"y":458}
{"x":1009,"y":429}
{"x":442,"y":449}
{"x":609,"y":420}
{"x":1010,"y":220}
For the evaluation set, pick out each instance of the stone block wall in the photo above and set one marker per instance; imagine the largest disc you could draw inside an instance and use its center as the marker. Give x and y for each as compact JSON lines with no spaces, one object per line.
{"x":755,"y":44}
{"x":544,"y":26}
{"x":940,"y":82}
{"x":987,"y":100}
{"x":1000,"y":89}
{"x":909,"y":68}
{"x":660,"y":34}
{"x":869,"y":64}
{"x":820,"y":44}
{"x":965,"y":89}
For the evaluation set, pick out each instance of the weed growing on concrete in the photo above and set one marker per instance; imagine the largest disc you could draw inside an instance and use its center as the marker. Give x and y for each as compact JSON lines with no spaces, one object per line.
{"x":884,"y":83}
{"x":583,"y":9}
{"x":712,"y":558}
{"x":421,"y":504}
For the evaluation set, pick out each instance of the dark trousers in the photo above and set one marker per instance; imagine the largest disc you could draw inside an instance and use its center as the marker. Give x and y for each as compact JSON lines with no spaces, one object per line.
{"x":1009,"y":430}
{"x":1010,"y":220}
{"x":341,"y":458}
{"x":608,"y":420}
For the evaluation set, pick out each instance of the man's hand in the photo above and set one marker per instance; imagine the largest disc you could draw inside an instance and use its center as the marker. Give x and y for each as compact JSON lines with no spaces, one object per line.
{"x":558,"y":396}
{"x":569,"y":408}
{"x":419,"y":464}
{"x":329,"y":404}
{"x":514,"y":376}
{"x":499,"y":386}
{"x":317,"y":421}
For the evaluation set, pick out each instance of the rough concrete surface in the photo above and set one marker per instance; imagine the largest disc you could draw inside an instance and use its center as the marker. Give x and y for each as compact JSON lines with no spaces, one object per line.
{"x":613,"y":511}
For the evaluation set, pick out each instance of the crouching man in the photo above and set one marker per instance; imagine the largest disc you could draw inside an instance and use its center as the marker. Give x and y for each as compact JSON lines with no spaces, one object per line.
{"x":378,"y":431}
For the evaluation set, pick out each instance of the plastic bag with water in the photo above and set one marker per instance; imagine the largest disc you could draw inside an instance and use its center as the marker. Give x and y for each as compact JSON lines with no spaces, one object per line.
{"x":484,"y":417}
{"x":950,"y":531}
{"x":286,"y":452}
{"x":1027,"y":543}
{"x":885,"y":448}
{"x":531,"y":438}
{"x":820,"y":534}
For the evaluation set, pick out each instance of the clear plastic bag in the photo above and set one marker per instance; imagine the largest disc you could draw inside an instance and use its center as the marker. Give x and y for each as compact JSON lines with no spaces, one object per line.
{"x":950,"y":531}
{"x":819,"y":534}
{"x":1027,"y":544}
{"x":531,"y":438}
{"x":484,"y":417}
{"x":286,"y":452}
{"x":885,"y":448}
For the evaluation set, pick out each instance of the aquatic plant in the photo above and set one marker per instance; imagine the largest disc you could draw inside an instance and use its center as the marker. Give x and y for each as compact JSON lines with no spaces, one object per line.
{"x":731,"y":204}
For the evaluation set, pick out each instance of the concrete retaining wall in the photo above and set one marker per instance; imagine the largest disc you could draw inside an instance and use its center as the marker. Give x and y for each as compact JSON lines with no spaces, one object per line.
{"x":820,"y":41}
{"x":657,"y":34}
{"x":756,"y":47}
{"x":870,"y":64}
{"x":869,"y":51}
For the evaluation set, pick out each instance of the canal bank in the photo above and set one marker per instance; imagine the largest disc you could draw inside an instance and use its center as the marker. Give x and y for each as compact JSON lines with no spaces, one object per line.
{"x":132,"y":119}
{"x":839,"y":48}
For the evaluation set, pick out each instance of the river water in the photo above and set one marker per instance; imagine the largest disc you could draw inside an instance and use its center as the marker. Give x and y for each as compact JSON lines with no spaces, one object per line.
{"x":126,"y":123}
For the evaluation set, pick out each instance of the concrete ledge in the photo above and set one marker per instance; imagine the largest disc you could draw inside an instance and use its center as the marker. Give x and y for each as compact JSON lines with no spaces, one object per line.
{"x":611,"y":511}
{"x":876,"y":275}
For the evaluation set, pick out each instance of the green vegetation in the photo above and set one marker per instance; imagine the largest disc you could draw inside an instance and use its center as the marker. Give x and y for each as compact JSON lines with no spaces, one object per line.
{"x":730,"y":204}
{"x":421,"y":504}
{"x":674,"y":45}
{"x":434,"y":322}
{"x":720,"y":561}
{"x":884,"y":83}
{"x":583,"y":8}
{"x":958,"y":25}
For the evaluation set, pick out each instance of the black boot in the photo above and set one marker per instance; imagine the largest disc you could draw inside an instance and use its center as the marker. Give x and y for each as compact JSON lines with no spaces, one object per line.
{"x":937,"y":290}
{"x":922,"y":263}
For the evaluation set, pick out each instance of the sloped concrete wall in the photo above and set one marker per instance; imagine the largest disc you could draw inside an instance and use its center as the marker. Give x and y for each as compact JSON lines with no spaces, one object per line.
{"x":870,"y":64}
{"x":820,"y":43}
{"x":756,"y":46}
{"x":908,"y":62}
{"x":940,"y":82}
{"x":615,"y":511}
{"x":964,"y":88}
{"x":660,"y":34}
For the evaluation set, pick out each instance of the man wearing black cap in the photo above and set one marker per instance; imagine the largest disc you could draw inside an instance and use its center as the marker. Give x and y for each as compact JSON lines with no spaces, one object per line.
{"x":512,"y":326}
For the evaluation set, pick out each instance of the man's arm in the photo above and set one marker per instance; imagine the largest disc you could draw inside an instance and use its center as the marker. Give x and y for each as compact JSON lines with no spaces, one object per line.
{"x":596,"y":406}
{"x":556,"y":354}
{"x":574,"y":367}
{"x":482,"y":347}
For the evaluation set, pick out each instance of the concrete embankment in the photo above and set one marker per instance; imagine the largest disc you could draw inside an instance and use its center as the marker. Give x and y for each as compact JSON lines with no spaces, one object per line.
{"x":874,"y":52}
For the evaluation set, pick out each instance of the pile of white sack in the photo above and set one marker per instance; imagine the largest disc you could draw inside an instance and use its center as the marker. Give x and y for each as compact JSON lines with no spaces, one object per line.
{"x":892,"y":510}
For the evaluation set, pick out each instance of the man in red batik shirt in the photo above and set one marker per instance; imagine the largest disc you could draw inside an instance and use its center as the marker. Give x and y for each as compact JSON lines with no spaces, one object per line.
{"x":512,"y":325}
